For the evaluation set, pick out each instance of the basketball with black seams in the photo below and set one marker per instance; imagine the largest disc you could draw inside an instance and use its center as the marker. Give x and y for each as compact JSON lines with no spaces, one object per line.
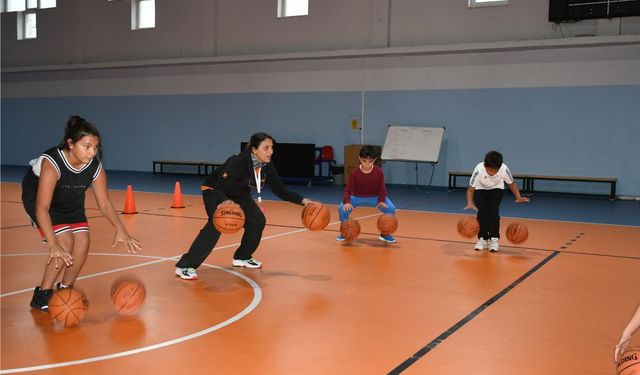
{"x":128,"y":296}
{"x":315,"y":216}
{"x":350,"y":229}
{"x":517,"y":232}
{"x":68,"y":307}
{"x":468,"y":226}
{"x":228,"y":218}
{"x":387,"y":224}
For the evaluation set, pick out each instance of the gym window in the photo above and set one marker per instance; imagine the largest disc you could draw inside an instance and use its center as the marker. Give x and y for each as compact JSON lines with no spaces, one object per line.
{"x":46,"y":4}
{"x":13,"y":6}
{"x":22,"y":5}
{"x":486,"y":3}
{"x":143,"y":14}
{"x":27,"y":25}
{"x":292,"y":8}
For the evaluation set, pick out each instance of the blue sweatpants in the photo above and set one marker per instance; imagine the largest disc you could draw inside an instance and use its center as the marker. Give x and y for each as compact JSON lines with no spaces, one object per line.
{"x":366,"y":201}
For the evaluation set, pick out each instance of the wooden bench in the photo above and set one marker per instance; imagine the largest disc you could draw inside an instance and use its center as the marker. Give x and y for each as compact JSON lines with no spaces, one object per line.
{"x":454,"y":174}
{"x":606,"y":180}
{"x":203,"y":166}
{"x":528,"y":181}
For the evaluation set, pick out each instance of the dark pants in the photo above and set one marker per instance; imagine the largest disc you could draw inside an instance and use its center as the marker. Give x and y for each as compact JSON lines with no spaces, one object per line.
{"x":209,"y":235}
{"x":488,"y":203}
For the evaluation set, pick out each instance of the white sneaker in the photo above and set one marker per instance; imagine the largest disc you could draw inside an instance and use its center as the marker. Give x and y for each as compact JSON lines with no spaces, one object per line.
{"x":493,"y":244}
{"x":481,"y":244}
{"x":249,"y":263}
{"x":186,"y":273}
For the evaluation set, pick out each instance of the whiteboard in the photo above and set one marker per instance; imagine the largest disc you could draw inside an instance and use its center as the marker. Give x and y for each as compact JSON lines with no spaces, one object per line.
{"x":413,"y":143}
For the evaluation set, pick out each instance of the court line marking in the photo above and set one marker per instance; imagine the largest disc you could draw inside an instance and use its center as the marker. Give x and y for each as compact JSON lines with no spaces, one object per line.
{"x":408,"y":207}
{"x":159,"y":259}
{"x":257,"y":297}
{"x":522,"y":218}
{"x":451,"y":330}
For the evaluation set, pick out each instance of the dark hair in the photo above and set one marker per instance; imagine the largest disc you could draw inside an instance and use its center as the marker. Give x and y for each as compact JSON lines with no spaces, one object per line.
{"x":257,"y":138}
{"x":368,"y":151}
{"x":76,"y":128}
{"x":493,"y":159}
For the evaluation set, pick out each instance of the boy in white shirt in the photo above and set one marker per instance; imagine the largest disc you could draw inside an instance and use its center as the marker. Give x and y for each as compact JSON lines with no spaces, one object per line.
{"x":485,"y":194}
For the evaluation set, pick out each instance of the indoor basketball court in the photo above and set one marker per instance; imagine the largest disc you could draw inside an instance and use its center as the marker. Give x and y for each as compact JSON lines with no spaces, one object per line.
{"x":428,"y":304}
{"x":431,"y":106}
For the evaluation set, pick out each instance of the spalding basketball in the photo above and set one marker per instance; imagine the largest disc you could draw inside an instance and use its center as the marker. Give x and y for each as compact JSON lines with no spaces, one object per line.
{"x":629,"y":362}
{"x":315,"y":217}
{"x":127,"y":296}
{"x":350,"y":229}
{"x":517,"y":232}
{"x":68,"y":307}
{"x":228,"y":218}
{"x":468,"y":226}
{"x":387,"y":224}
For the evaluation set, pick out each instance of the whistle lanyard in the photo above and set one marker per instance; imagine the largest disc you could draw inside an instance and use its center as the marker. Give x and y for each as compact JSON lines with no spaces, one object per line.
{"x":256,"y":174}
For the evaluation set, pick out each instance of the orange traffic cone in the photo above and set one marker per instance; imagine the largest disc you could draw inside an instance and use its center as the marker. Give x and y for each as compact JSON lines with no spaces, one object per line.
{"x":177,"y":197}
{"x":129,"y":204}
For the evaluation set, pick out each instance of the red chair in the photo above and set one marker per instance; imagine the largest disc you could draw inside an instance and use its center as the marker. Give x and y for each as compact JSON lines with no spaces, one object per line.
{"x":326,"y":153}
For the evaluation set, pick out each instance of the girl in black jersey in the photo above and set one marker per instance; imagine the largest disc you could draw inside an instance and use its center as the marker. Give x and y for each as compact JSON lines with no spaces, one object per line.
{"x":232,"y":183}
{"x":53,"y":194}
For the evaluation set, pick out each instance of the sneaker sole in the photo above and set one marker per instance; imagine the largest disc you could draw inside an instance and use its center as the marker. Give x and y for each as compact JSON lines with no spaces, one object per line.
{"x":43,"y":309}
{"x":246,"y":266}
{"x":383,"y":240}
{"x":186,"y":278}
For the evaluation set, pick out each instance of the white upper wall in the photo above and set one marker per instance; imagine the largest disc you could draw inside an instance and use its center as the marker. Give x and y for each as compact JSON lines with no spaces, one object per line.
{"x":96,"y":31}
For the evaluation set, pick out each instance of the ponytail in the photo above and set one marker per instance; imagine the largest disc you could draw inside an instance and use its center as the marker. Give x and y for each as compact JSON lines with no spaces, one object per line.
{"x":76,"y":128}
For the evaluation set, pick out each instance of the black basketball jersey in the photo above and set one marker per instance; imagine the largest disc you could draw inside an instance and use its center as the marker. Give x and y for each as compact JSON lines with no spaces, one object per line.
{"x":67,"y":204}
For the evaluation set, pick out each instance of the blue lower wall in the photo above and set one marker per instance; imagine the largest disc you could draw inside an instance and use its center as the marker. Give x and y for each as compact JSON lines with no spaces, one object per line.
{"x":589,"y":131}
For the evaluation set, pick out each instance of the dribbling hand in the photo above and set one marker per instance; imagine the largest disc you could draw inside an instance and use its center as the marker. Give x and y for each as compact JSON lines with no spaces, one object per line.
{"x":347,"y":207}
{"x":307,"y":201}
{"x":132,"y":244}
{"x":57,"y":252}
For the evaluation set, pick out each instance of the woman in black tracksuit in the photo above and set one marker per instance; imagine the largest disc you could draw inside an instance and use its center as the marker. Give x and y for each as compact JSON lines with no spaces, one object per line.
{"x":232,"y":183}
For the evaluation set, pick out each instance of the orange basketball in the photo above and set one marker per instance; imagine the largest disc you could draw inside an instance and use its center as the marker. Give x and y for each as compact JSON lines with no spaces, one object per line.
{"x":228,"y":218}
{"x":315,"y":216}
{"x":468,"y":226}
{"x":68,"y":307}
{"x":350,"y":229}
{"x":517,"y":232}
{"x":127,"y":296}
{"x":629,"y":363}
{"x":387,"y":224}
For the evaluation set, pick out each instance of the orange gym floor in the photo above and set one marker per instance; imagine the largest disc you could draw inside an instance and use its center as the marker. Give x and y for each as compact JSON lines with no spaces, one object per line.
{"x":428,"y":304}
